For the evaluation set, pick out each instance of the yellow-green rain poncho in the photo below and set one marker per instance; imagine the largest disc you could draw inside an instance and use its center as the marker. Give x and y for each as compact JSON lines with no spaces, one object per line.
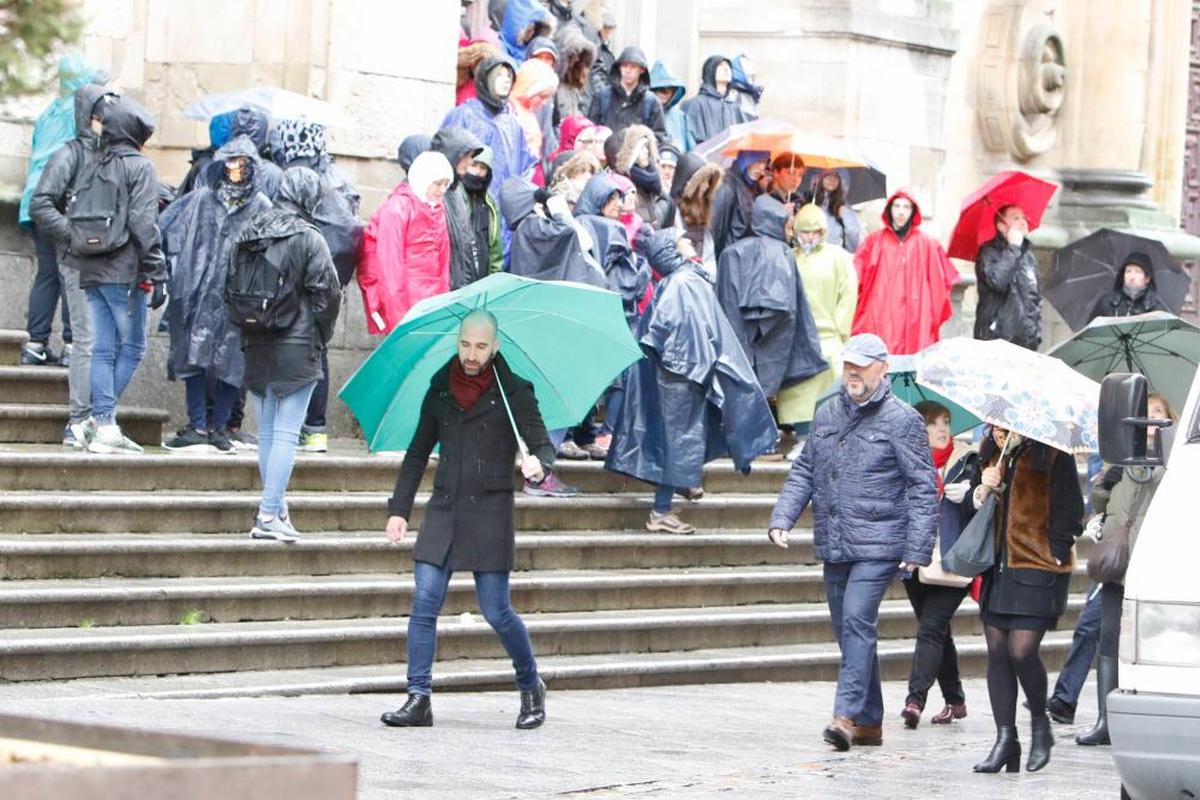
{"x":831,"y":286}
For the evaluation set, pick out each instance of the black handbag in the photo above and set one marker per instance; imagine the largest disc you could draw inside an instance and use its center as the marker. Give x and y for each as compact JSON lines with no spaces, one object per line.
{"x":1111,"y":559}
{"x":975,"y":551}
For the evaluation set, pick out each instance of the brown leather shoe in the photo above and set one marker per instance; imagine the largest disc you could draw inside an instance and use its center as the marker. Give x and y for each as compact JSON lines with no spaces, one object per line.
{"x":867,"y":736}
{"x":911,"y":716}
{"x":948,"y":714}
{"x":839,"y":733}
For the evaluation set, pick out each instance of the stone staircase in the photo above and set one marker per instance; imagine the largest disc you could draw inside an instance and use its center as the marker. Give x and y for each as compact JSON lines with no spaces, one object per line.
{"x":131,"y":566}
{"x":33,"y":402}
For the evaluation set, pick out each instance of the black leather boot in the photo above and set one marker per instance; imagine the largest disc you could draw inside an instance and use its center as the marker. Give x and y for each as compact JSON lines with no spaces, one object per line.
{"x":416,"y":713}
{"x":1040,"y":744}
{"x":1006,"y":752}
{"x":1106,"y":681}
{"x":533,"y":707}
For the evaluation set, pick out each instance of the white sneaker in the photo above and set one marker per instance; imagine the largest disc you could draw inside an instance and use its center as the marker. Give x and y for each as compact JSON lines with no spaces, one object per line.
{"x":82,"y":432}
{"x":277,"y":529}
{"x":109,"y":440}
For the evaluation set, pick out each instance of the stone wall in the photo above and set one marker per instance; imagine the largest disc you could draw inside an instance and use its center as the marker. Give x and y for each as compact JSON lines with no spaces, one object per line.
{"x":390,"y":65}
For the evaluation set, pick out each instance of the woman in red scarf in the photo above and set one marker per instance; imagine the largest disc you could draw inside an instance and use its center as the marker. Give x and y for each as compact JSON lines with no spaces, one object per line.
{"x":935,"y":658}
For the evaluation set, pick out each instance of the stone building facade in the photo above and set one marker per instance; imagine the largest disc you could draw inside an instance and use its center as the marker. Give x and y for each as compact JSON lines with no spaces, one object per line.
{"x":941,"y":94}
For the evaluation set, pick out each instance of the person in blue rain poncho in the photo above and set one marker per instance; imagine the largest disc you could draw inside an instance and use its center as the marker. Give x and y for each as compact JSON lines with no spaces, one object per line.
{"x":693,"y":398}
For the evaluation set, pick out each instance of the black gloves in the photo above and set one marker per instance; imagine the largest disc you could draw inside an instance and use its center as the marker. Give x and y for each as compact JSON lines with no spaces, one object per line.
{"x":158,"y":295}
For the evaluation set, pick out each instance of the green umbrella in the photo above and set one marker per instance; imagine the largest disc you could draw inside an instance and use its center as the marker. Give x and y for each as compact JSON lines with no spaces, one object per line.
{"x":568,"y":339}
{"x":1159,"y":345}
{"x":902,"y":371}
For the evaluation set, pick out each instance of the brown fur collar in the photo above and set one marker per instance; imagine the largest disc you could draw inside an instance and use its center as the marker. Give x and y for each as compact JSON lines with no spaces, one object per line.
{"x":696,"y":202}
{"x":470,"y":57}
{"x":1028,"y":513}
{"x":629,"y":143}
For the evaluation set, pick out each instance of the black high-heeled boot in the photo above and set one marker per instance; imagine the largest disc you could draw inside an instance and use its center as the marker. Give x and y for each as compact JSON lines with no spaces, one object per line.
{"x":1106,"y":681}
{"x":1040,"y":744}
{"x":416,"y":713}
{"x":1006,"y":752}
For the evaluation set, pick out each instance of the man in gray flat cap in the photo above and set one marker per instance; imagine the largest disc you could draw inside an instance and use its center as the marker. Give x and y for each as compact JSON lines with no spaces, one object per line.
{"x":868,"y":471}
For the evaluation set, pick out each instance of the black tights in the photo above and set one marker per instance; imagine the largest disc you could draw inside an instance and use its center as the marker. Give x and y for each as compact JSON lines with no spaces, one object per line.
{"x":1014,"y":656}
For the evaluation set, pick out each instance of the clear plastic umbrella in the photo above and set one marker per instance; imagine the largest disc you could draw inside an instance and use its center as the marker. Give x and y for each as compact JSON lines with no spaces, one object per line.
{"x":277,"y":103}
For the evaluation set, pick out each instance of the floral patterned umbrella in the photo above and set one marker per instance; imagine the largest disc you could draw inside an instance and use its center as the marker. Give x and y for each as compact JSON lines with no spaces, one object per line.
{"x":1035,"y":395}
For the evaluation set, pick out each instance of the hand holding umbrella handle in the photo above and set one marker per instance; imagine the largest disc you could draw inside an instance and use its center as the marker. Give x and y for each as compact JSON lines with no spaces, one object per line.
{"x":526,"y":469}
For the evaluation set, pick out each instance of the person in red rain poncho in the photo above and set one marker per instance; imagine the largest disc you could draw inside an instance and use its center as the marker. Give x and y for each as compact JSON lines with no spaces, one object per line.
{"x":904,"y":280}
{"x":406,"y":247}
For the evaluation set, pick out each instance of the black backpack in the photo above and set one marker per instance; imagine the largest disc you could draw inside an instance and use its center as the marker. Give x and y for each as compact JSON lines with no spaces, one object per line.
{"x":97,"y":207}
{"x":260,"y":295}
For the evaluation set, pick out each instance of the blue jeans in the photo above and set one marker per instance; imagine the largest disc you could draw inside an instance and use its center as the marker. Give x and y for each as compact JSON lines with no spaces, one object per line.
{"x":118,"y":313}
{"x":1083,"y":651}
{"x":854,"y":590}
{"x":491,"y":588}
{"x":196,"y":392}
{"x":279,"y":421}
{"x":663,"y":496}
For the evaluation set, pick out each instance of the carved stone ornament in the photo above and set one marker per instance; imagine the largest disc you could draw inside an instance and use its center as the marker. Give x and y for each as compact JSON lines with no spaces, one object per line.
{"x":1021,"y":80}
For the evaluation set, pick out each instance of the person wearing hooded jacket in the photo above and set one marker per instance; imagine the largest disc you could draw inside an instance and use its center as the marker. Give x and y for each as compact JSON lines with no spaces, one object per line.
{"x":747,"y":178}
{"x":301,"y":143}
{"x":489,"y":118}
{"x":761,"y":293}
{"x":577,"y":54}
{"x":748,"y":93}
{"x":59,"y":123}
{"x":284,"y":367}
{"x":200,"y":231}
{"x":55,"y":178}
{"x":716,"y":106}
{"x":693,"y":194}
{"x":412,"y":146}
{"x":406,"y":247}
{"x":472,"y":219}
{"x":254,"y":124}
{"x":598,"y":210}
{"x":670,"y":91}
{"x":117,"y":283}
{"x":532,"y":102}
{"x":637,"y":159}
{"x":831,"y":286}
{"x":1008,"y":283}
{"x":627,"y":100}
{"x":694,"y":397}
{"x":904,"y":280}
{"x":1133,"y":290}
{"x":524,"y":21}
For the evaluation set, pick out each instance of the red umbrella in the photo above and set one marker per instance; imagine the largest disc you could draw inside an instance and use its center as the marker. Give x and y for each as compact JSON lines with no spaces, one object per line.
{"x":977,"y":220}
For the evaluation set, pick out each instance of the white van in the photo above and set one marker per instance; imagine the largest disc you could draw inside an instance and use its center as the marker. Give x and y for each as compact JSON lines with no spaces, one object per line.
{"x":1154,"y":717}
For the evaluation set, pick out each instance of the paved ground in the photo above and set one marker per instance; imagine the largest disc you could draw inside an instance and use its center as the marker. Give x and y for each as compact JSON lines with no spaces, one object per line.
{"x":736,"y":741}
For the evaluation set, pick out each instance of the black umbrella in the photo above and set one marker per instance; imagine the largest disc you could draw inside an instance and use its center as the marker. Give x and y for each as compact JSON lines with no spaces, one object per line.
{"x":860,"y":183}
{"x":1086,"y":270}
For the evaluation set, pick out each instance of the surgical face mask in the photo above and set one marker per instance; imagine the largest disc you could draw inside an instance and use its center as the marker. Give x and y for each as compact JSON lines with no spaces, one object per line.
{"x":806,"y":245}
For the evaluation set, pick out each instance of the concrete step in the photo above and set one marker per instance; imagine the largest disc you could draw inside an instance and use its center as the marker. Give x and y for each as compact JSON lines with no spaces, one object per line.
{"x":11,"y":343}
{"x":82,"y":556}
{"x":347,"y":469}
{"x":231,"y":512}
{"x":167,"y":601}
{"x":43,"y":424}
{"x":782,"y":663}
{"x":46,"y":654}
{"x":33,"y":385}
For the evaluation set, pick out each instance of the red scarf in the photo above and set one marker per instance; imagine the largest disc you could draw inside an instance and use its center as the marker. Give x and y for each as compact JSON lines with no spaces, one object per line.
{"x":467,"y":389}
{"x":940,"y":459}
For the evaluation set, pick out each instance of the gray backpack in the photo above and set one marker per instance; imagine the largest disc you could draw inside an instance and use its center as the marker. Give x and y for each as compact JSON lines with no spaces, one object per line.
{"x":97,"y":207}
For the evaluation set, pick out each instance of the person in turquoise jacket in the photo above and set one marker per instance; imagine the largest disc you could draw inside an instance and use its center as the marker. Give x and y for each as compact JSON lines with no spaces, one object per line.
{"x":54,"y":128}
{"x":670,"y":91}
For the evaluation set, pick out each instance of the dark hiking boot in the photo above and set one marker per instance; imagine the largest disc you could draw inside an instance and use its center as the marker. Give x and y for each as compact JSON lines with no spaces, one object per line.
{"x":416,"y":713}
{"x":533,"y":707}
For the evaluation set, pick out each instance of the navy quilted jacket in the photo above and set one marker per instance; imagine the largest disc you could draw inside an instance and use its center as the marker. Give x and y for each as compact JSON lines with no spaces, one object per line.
{"x":869,"y":473}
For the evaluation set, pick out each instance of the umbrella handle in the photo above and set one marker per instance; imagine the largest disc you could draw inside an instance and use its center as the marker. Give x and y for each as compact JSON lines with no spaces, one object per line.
{"x":521,"y":446}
